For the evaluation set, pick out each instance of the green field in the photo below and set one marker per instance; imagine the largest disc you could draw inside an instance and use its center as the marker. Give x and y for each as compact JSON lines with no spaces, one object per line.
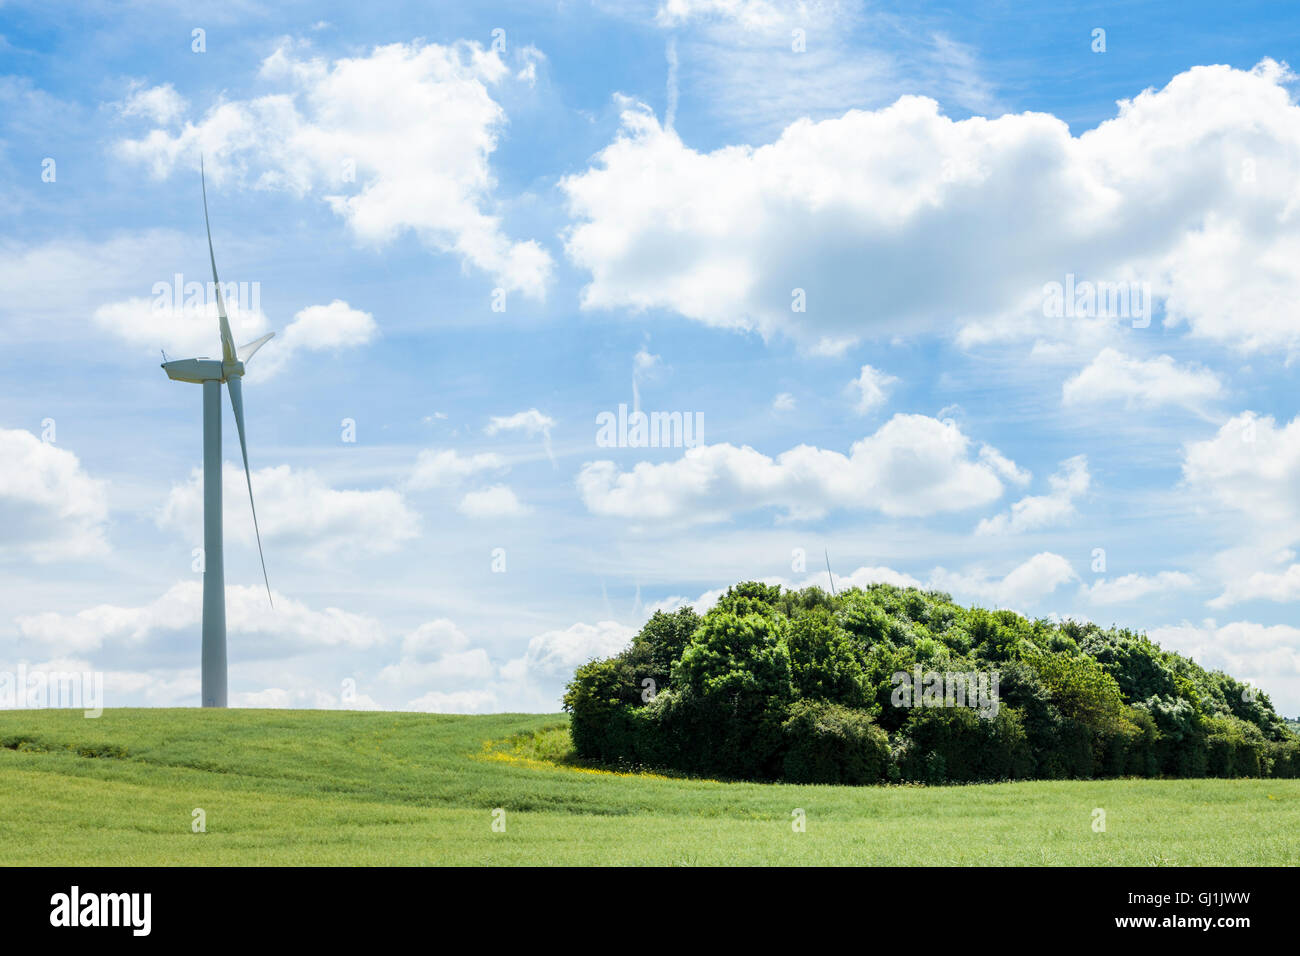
{"x":328,"y":787}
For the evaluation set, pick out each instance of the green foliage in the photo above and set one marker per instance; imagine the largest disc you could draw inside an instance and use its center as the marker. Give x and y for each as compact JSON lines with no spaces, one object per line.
{"x":1080,"y":688}
{"x":829,"y":743}
{"x":596,"y":699}
{"x":741,"y":655}
{"x":799,"y":685}
{"x":825,"y":662}
{"x":957,"y":745}
{"x":659,"y":644}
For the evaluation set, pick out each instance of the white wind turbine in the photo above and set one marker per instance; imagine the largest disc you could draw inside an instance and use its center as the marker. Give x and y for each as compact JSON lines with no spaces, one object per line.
{"x":211,"y":373}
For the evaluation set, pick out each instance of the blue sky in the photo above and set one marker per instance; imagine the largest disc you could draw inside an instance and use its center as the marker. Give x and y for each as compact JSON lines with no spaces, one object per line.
{"x":647,"y":193}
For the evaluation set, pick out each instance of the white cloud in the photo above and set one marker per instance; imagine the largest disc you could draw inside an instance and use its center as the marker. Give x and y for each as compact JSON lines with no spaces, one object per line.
{"x":1251,"y":466}
{"x":364,"y":130}
{"x":160,"y":104}
{"x":1115,"y":377}
{"x":50,"y":508}
{"x":1042,"y":511}
{"x":1268,"y":657}
{"x":41,"y":305}
{"x":314,"y":329}
{"x":785,"y":402}
{"x":438,"y":652}
{"x":1282,"y":587}
{"x":498,"y":501}
{"x":191,"y":330}
{"x":872,"y":388}
{"x":465,"y":681}
{"x":446,"y":467}
{"x":1024,"y":584}
{"x":754,"y":14}
{"x":911,"y":466}
{"x":291,"y":626}
{"x":553,"y":656}
{"x":531,"y":422}
{"x":297,"y":511}
{"x":1156,"y":194}
{"x":1133,"y":587}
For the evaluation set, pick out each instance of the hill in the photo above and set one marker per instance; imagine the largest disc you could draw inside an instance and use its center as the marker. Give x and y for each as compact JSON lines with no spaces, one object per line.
{"x":318,"y":787}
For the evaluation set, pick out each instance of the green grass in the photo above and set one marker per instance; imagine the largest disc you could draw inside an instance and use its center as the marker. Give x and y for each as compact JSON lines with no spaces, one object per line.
{"x":326,"y":787}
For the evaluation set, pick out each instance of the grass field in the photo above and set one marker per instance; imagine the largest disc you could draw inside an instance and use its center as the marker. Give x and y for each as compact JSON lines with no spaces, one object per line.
{"x":328,"y":787}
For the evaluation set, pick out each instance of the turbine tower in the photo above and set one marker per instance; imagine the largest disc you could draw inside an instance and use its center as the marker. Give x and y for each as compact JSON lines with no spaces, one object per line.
{"x":211,"y":374}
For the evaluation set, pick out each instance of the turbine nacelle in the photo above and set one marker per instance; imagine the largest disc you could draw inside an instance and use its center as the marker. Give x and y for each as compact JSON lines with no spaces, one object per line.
{"x":200,"y":370}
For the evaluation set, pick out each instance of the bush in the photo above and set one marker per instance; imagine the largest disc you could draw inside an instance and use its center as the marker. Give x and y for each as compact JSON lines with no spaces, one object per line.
{"x":829,"y":743}
{"x":968,"y":747}
{"x":773,"y":684}
{"x":659,"y":644}
{"x":825,"y":662}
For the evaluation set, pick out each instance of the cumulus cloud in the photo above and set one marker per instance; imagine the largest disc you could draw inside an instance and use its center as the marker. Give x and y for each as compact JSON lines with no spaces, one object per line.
{"x":291,"y":626}
{"x":1141,"y":383}
{"x":438,"y":652}
{"x":1251,"y":466}
{"x":159,"y":104}
{"x":531,"y":422}
{"x":1282,"y":587}
{"x":1156,"y":194}
{"x":552,"y":656}
{"x":1132,"y":587}
{"x":1042,"y":511}
{"x":190,"y":329}
{"x":446,"y":467}
{"x":296,"y":510}
{"x":317,"y":328}
{"x":362,"y":132}
{"x":871,"y":389}
{"x":464,"y":680}
{"x":497,"y":501}
{"x":1024,"y":584}
{"x":50,"y":508}
{"x":911,"y":466}
{"x":1268,"y":657}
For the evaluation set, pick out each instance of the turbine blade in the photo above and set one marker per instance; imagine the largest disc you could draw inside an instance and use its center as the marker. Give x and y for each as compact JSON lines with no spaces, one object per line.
{"x":223,"y":324}
{"x":246,"y":351}
{"x":237,"y":403}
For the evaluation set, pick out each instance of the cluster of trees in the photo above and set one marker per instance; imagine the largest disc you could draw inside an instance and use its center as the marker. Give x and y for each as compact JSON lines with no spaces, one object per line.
{"x":776,"y":684}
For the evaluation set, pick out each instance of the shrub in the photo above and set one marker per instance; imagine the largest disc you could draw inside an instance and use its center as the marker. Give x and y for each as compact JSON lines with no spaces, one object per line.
{"x":825,"y":662}
{"x":736,"y":654}
{"x":595,"y":700}
{"x":969,"y":747}
{"x":798,"y":684}
{"x":660,"y":643}
{"x":829,"y":743}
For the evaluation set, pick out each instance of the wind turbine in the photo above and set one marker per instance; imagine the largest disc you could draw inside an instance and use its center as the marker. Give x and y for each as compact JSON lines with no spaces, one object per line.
{"x":211,"y":374}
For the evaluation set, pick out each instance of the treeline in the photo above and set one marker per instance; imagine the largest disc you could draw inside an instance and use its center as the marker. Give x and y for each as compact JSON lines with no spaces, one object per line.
{"x":898,"y":684}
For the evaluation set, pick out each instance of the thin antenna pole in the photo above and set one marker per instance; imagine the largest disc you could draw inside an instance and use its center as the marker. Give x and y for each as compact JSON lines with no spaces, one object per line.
{"x":828,"y":572}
